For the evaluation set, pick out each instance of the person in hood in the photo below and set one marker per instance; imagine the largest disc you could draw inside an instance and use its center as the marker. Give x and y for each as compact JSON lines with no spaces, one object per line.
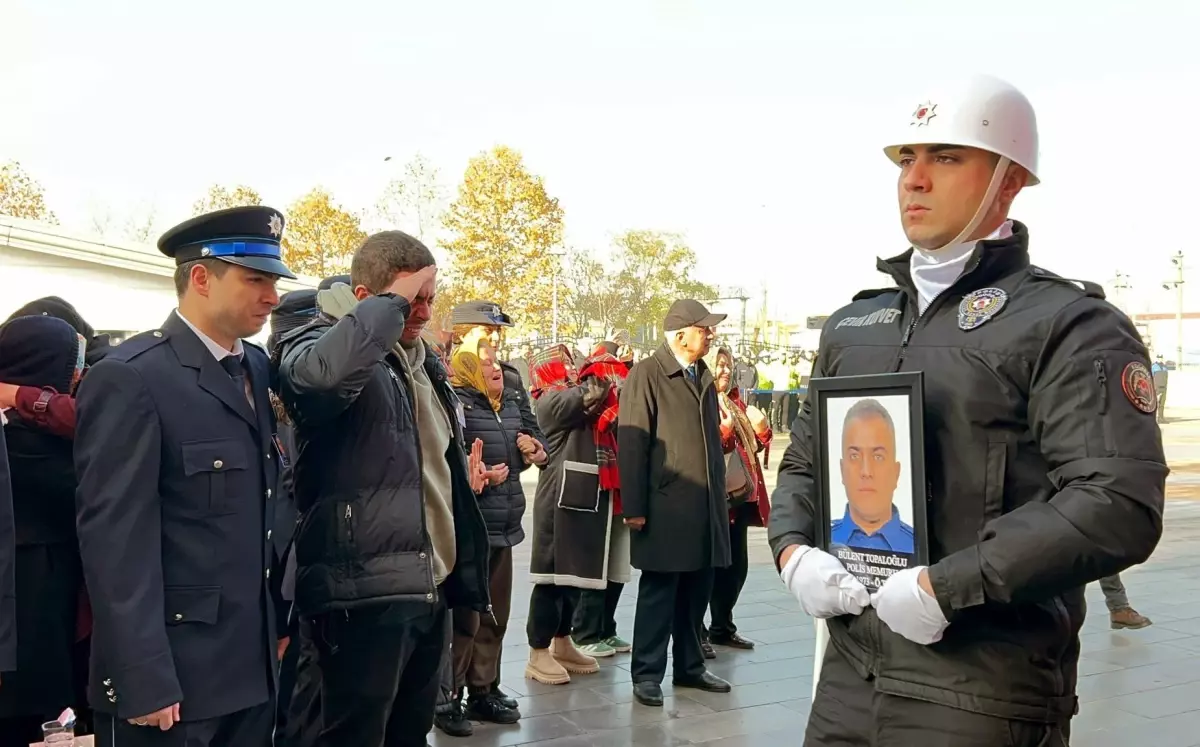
{"x":1044,"y":466}
{"x":45,"y":408}
{"x":42,"y":351}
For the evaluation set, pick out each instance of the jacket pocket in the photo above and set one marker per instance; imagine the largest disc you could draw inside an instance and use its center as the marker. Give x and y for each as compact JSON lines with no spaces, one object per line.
{"x":1110,"y":446}
{"x":206,"y":463}
{"x":994,"y":473}
{"x":192,"y":604}
{"x":580,"y":489}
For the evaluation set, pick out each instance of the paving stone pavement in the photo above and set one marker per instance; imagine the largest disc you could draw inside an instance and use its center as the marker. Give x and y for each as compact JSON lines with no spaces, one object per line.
{"x":1135,"y":688}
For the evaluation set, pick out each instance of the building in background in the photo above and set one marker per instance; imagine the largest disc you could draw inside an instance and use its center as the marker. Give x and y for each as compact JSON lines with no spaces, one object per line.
{"x":119,"y":288}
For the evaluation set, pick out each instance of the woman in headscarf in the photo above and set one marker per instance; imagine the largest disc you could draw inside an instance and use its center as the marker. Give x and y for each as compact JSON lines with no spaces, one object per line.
{"x":491,"y":415}
{"x":572,"y":514}
{"x":42,"y":351}
{"x":594,"y":627}
{"x":747,"y":434}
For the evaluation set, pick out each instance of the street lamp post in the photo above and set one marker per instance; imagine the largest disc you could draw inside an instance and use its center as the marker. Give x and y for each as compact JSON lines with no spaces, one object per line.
{"x":1177,"y":284}
{"x":554,"y":313}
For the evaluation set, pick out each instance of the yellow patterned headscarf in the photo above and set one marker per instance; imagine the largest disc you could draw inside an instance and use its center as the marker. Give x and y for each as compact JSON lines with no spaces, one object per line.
{"x":466,"y":371}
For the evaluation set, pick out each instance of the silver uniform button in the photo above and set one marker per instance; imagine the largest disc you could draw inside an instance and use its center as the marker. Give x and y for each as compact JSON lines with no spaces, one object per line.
{"x":268,"y":492}
{"x":156,"y":333}
{"x":218,"y":464}
{"x":429,"y":596}
{"x":268,"y":534}
{"x":268,"y":573}
{"x":178,"y":617}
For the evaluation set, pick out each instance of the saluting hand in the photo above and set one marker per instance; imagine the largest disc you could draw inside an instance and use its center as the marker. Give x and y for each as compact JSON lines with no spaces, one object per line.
{"x":419,"y":283}
{"x":164,"y":718}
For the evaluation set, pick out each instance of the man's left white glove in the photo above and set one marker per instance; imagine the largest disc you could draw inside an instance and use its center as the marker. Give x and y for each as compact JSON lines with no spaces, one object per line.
{"x":908,"y":610}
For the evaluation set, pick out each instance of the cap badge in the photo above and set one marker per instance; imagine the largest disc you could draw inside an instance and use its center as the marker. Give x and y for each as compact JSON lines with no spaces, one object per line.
{"x":275,"y":225}
{"x":1138,"y":385}
{"x":923,"y":114}
{"x":979,"y":306}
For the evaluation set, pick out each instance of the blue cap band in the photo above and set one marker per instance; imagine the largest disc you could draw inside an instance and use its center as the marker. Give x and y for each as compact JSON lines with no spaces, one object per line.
{"x":266,"y":249}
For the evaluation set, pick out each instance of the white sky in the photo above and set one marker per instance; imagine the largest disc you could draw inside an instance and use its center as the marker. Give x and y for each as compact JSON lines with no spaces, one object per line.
{"x":754,"y":128}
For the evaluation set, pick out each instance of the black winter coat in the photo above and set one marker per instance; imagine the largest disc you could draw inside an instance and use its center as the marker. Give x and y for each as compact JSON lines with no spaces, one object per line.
{"x":503,"y":505}
{"x":49,"y":574}
{"x":362,"y":537}
{"x":672,"y":467}
{"x":1044,"y":473}
{"x":8,"y":579}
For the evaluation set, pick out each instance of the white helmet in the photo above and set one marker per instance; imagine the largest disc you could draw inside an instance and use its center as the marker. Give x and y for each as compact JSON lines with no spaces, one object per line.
{"x":978,"y":112}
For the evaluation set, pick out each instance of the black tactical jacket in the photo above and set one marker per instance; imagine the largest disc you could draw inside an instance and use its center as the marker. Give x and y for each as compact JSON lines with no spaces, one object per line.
{"x":1043,"y":474}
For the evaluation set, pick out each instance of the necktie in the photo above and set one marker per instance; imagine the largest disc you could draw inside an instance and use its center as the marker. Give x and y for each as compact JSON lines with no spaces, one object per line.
{"x":691,"y":373}
{"x":237,"y":371}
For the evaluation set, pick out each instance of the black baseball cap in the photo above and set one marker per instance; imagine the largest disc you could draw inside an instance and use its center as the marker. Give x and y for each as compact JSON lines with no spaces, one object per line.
{"x":487,"y":313}
{"x":248,"y":236}
{"x":687,"y":312}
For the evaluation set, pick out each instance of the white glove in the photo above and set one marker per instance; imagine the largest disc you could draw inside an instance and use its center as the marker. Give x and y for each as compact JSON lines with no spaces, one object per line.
{"x":822,"y":584}
{"x":908,"y":609}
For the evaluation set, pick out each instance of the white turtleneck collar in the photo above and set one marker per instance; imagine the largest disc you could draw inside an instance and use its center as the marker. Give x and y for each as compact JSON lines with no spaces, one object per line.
{"x":934,"y":272}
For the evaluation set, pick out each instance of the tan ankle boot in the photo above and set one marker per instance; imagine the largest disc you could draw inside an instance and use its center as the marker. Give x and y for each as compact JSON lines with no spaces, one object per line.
{"x":574,"y":660}
{"x":543,"y":668}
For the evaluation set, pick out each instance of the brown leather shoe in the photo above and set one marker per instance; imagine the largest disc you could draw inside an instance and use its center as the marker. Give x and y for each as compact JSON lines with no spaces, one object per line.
{"x":1128,"y":619}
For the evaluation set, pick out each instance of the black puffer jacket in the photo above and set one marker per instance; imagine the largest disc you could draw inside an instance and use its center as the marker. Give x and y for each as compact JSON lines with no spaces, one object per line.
{"x":362,"y":536}
{"x":502,"y":505}
{"x":1044,"y":471}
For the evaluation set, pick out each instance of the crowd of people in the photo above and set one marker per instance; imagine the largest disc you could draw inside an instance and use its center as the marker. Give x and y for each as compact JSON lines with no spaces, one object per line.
{"x":208,"y":542}
{"x":312,"y":541}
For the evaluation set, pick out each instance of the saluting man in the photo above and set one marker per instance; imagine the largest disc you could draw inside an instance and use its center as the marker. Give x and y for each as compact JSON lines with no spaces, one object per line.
{"x":177,"y":460}
{"x":1044,"y":463}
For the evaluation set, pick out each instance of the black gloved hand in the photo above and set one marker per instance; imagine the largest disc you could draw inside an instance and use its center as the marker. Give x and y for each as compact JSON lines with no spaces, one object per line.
{"x":595,"y":390}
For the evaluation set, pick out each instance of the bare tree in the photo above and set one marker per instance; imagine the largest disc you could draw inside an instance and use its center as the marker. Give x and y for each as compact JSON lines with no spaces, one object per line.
{"x":415,"y":201}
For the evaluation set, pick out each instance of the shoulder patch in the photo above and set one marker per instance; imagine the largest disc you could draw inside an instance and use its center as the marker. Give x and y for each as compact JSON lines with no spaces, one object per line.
{"x":873,"y":292}
{"x":1087,"y":287}
{"x":138,"y":344}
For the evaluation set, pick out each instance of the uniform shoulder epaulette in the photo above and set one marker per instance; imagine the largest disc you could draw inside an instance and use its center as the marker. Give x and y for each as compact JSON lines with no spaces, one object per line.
{"x":873,"y":292}
{"x":138,"y":344}
{"x":1090,"y":289}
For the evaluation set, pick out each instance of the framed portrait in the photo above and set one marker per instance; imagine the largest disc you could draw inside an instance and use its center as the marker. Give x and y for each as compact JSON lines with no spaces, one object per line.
{"x":869,"y":462}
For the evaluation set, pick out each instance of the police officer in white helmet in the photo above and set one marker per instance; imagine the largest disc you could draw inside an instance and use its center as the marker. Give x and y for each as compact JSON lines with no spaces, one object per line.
{"x":1044,"y":463}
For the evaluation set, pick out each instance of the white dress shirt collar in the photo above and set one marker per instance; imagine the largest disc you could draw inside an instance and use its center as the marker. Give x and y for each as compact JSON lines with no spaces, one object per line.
{"x":218,"y":352}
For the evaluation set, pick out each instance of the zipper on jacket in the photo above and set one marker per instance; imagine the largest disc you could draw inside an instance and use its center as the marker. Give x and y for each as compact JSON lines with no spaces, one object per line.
{"x":348,"y":527}
{"x":412,"y":404}
{"x":1102,"y":379}
{"x":934,"y":304}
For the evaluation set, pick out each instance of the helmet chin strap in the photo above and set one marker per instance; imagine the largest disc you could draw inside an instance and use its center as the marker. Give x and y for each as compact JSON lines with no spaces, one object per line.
{"x":984,"y":205}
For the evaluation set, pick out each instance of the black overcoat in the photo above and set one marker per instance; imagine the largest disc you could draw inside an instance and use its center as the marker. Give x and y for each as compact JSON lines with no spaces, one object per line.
{"x":672,"y":467}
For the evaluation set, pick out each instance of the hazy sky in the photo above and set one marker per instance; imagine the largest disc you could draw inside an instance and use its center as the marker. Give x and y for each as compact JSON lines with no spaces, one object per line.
{"x":755,"y":128}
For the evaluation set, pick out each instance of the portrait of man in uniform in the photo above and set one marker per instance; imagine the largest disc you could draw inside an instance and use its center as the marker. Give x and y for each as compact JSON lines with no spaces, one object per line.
{"x":870,"y":474}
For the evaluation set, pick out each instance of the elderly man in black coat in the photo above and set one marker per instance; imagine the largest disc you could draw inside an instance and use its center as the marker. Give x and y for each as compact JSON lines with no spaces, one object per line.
{"x":673,"y":492}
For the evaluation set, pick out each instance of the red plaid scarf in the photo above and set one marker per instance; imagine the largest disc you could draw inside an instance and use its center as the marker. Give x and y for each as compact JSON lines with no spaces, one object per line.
{"x":548,"y":369}
{"x":613,"y":370}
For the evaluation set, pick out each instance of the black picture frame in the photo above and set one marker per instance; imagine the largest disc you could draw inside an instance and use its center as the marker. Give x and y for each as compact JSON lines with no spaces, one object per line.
{"x":871,"y":562}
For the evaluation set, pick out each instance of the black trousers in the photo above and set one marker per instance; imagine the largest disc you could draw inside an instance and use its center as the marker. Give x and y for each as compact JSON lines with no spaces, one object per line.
{"x":287,"y":682}
{"x":368,"y":677}
{"x":848,"y":712}
{"x":551,"y":609}
{"x":251,"y":727}
{"x":729,"y":581}
{"x":670,"y":606}
{"x":595,"y":615}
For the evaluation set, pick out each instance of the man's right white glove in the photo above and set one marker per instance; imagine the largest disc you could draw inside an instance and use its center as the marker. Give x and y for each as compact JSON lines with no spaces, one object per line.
{"x":822,"y":584}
